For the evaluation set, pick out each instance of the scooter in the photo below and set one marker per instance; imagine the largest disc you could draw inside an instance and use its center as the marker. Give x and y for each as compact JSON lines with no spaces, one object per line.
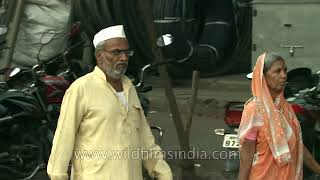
{"x":302,"y":92}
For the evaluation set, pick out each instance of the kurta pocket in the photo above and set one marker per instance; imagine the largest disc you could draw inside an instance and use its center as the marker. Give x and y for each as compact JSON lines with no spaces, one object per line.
{"x":134,"y":116}
{"x":130,"y":137}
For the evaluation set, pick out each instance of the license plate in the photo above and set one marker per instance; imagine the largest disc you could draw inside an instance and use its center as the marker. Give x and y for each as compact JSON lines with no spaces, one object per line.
{"x":230,"y":141}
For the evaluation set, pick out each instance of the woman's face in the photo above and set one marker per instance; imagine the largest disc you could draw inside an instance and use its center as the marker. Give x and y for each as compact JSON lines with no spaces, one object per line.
{"x":276,"y":77}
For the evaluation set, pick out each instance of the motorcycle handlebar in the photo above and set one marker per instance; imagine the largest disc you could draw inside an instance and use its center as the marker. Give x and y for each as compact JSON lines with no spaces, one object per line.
{"x":149,"y":66}
{"x":160,"y":131}
{"x":9,"y":118}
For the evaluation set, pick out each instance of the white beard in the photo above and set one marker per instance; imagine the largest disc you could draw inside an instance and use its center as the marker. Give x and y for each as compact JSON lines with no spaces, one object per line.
{"x":113,"y":72}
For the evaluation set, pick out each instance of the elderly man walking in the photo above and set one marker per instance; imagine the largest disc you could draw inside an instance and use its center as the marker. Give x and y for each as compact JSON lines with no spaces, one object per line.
{"x":102,"y":128}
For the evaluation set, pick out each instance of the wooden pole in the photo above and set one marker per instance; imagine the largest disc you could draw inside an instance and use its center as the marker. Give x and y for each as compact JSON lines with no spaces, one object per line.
{"x":145,"y":9}
{"x":195,"y":87}
{"x":187,"y":165}
{"x":12,"y":36}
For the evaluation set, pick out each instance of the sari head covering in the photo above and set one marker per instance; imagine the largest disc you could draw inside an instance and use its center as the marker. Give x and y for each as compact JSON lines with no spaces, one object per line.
{"x":273,"y":118}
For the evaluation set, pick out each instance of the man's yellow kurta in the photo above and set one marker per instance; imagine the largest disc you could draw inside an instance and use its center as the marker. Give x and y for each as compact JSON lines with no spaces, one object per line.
{"x":101,"y":136}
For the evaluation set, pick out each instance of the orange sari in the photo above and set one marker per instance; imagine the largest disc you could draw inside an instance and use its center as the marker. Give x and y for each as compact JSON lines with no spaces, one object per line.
{"x":279,"y":147}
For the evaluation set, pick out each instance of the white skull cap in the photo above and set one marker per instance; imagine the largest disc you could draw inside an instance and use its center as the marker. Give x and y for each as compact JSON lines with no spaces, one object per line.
{"x":109,"y":33}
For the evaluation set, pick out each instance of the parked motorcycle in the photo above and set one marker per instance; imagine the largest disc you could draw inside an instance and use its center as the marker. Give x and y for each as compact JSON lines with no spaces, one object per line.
{"x":22,"y":152}
{"x":302,"y":92}
{"x":47,"y":89}
{"x":30,"y":103}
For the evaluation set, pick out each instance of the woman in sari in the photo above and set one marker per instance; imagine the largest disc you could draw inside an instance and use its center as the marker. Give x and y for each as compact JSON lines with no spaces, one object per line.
{"x":269,"y":133}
